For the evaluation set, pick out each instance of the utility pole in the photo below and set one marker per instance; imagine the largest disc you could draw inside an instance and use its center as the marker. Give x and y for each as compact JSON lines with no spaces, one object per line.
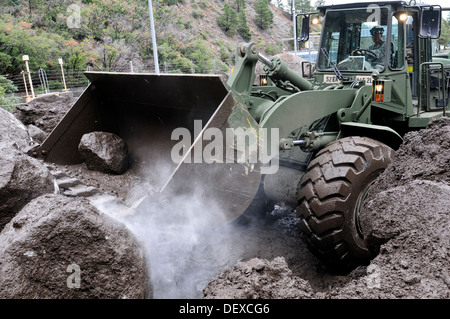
{"x":152,"y":26}
{"x":295,"y":27}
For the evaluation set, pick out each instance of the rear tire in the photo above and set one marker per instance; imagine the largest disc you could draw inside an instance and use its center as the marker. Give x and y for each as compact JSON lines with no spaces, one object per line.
{"x":331,"y":194}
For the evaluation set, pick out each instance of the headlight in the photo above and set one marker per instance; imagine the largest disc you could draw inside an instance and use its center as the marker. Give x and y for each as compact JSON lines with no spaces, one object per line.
{"x":378,"y":91}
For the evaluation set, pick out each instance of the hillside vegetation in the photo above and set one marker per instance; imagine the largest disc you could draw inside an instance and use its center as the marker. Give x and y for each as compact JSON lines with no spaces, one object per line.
{"x":192,"y":35}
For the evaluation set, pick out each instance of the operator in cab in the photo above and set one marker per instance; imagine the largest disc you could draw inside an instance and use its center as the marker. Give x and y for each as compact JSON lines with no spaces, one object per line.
{"x":379,"y":46}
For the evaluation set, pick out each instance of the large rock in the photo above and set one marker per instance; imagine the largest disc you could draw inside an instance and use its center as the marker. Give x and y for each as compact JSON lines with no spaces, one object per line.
{"x":22,"y":178}
{"x":104,"y":152}
{"x":36,"y":133}
{"x":13,"y":134}
{"x":60,"y":247}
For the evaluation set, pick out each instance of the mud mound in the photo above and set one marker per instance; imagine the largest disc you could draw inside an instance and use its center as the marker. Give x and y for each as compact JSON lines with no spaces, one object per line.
{"x":258,"y":279}
{"x":424,"y":155}
{"x":406,"y":220}
{"x":45,"y":111}
{"x":413,"y":222}
{"x":60,"y":247}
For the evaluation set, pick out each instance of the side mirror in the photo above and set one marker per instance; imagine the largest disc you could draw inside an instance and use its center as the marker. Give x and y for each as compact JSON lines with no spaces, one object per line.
{"x":304,"y":35}
{"x":430,"y":22}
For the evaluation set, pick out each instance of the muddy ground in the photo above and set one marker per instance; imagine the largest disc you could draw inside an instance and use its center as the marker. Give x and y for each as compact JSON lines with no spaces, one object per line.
{"x":263,"y":256}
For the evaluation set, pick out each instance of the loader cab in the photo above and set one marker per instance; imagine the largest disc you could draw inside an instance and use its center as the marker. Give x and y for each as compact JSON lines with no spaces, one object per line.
{"x":391,"y":40}
{"x":355,"y":40}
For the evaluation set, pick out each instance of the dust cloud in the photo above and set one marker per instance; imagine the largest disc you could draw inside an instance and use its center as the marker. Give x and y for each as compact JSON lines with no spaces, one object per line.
{"x":183,"y":249}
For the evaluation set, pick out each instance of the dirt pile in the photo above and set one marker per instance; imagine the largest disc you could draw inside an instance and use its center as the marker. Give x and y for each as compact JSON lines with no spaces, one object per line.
{"x":258,"y":279}
{"x":406,"y":220}
{"x":60,"y":247}
{"x":44,"y":112}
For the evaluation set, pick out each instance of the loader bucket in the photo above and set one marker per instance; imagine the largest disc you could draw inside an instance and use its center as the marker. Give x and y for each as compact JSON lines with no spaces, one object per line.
{"x":144,"y":109}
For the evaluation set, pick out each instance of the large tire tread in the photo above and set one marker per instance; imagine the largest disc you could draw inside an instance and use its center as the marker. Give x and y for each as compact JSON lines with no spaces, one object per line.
{"x":328,"y":195}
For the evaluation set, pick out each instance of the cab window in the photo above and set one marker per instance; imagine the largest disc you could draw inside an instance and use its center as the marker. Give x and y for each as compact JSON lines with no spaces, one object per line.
{"x":354,"y":40}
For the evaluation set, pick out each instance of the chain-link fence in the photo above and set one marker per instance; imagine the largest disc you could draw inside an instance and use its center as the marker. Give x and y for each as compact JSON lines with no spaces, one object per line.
{"x":43,"y":82}
{"x":54,"y":80}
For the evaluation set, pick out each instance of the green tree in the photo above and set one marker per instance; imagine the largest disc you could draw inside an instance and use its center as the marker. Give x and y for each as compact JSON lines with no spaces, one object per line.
{"x":239,"y":4}
{"x":243,"y":28}
{"x":228,"y":20}
{"x":264,"y":17}
{"x":199,"y":54}
{"x":18,"y":38}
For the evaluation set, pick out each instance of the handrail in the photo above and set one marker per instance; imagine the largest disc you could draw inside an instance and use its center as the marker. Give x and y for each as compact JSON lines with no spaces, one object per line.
{"x":442,"y":69}
{"x":43,"y":79}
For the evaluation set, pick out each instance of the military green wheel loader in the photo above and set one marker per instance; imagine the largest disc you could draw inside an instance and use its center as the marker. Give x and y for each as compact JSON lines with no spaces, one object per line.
{"x":315,"y":143}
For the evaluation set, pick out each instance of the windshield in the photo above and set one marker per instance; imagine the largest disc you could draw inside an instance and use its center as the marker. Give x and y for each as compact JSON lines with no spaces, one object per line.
{"x":354,"y":40}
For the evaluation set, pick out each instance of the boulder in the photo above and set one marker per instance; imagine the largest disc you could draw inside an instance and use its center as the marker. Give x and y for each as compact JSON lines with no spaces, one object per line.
{"x":13,"y":134}
{"x":61,"y":247}
{"x":104,"y":152}
{"x":36,"y":133}
{"x":22,"y":178}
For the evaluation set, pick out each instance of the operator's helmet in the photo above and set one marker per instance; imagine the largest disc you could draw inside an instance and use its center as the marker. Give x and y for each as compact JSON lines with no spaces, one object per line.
{"x":376,"y":29}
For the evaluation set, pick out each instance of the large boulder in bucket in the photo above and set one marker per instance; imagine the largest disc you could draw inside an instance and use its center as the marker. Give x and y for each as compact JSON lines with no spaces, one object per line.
{"x":61,"y":247}
{"x":104,"y":152}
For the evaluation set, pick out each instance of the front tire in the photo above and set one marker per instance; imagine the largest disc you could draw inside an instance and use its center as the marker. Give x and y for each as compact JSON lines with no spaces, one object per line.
{"x":331,"y":194}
